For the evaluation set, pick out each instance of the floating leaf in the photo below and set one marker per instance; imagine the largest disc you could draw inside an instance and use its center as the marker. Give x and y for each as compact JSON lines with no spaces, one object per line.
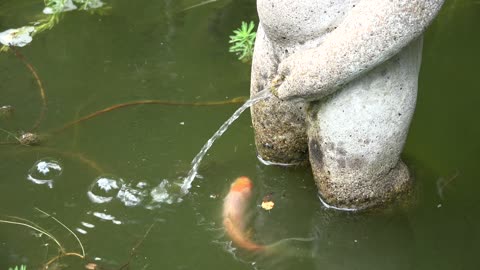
{"x":268,"y":205}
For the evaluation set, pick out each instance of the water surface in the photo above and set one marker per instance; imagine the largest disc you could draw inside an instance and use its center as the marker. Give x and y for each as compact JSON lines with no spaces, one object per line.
{"x":151,"y":50}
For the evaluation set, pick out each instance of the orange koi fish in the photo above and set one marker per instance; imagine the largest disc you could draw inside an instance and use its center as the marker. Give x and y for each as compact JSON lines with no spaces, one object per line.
{"x":234,"y":207}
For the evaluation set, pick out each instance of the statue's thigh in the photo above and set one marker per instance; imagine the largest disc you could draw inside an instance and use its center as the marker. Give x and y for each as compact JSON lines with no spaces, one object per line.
{"x":280,"y":128}
{"x":361,"y":129}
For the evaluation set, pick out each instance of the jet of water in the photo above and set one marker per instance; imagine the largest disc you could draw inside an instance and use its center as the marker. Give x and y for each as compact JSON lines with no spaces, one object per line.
{"x":187,"y":182}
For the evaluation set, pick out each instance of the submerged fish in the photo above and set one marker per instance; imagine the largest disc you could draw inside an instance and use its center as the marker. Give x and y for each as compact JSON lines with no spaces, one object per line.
{"x":234,"y":222}
{"x":234,"y":207}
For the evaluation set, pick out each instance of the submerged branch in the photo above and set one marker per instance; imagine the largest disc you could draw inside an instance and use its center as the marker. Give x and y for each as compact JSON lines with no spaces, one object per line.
{"x":443,"y":183}
{"x":73,"y":155}
{"x":134,"y":248}
{"x":10,"y":134}
{"x":199,"y":4}
{"x":64,"y":226}
{"x":146,"y":102}
{"x":40,"y":87}
{"x":58,"y":257}
{"x":33,"y":226}
{"x":35,"y":229}
{"x":90,"y":163}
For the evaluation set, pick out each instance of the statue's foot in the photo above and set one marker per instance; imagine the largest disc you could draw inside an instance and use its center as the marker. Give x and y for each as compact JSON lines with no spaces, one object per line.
{"x":362,"y":194}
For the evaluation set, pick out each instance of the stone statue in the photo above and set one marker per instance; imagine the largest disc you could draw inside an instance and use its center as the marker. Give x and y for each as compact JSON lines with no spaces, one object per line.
{"x":345,"y":75}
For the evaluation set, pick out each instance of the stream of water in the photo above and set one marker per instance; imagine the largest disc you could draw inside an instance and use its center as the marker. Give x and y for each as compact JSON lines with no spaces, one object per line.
{"x":187,"y":183}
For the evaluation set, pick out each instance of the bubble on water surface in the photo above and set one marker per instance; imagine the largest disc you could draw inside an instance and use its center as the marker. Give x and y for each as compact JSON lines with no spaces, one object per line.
{"x":133,"y":195}
{"x":104,"y":189}
{"x":44,"y":172}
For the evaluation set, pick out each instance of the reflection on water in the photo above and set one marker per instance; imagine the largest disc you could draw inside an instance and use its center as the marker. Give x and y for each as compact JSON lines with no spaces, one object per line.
{"x":44,"y":172}
{"x":86,"y":225}
{"x":104,"y":189}
{"x":106,"y":217}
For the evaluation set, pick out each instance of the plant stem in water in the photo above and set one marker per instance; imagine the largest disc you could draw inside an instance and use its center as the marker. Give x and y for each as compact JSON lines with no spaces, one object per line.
{"x":199,"y":4}
{"x":146,"y":102}
{"x":40,"y":87}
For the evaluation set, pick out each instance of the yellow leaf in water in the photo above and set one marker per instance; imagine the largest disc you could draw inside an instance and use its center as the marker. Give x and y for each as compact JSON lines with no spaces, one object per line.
{"x":268,"y":205}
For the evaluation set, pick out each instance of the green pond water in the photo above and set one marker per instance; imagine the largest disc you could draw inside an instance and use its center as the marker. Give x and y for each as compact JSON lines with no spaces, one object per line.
{"x":152,"y":50}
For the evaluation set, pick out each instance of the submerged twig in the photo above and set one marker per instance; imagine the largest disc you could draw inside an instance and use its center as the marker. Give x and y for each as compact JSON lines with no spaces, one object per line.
{"x":63,"y":225}
{"x":137,"y":245}
{"x":75,"y":130}
{"x":443,"y":183}
{"x":28,"y":222}
{"x":58,"y":257}
{"x":90,"y":163}
{"x":10,"y":134}
{"x":79,"y":156}
{"x":36,"y":229}
{"x":40,"y":87}
{"x":199,"y":4}
{"x":146,"y":102}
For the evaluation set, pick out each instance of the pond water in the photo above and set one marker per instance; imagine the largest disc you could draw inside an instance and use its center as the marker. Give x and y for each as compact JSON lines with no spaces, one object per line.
{"x":109,"y":178}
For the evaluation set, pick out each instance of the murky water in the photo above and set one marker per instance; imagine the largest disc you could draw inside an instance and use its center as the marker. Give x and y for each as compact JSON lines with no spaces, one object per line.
{"x":107,"y":178}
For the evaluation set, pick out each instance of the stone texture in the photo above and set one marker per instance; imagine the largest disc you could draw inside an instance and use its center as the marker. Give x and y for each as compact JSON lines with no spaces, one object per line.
{"x":356,"y":135}
{"x":346,"y":74}
{"x":371,"y":32}
{"x":280,"y":127}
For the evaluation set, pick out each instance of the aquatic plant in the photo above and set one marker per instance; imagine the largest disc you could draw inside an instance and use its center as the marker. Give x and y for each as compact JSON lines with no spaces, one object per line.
{"x":52,"y":12}
{"x":243,"y":41}
{"x":22,"y":267}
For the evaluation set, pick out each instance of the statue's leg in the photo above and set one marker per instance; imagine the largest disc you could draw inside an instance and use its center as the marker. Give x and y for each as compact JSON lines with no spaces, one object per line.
{"x":280,"y":127}
{"x":356,"y":135}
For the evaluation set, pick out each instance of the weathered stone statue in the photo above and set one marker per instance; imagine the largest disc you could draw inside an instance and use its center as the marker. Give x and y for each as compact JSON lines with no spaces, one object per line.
{"x":345,"y":73}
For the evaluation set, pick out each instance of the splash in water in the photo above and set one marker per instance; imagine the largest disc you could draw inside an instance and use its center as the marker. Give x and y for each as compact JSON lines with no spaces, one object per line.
{"x":187,"y":183}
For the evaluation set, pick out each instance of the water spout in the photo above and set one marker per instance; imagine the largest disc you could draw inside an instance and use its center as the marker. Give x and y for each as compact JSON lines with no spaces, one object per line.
{"x":187,"y":182}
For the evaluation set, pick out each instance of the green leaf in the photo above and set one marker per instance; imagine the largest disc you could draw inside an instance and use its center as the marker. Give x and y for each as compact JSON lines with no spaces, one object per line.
{"x":243,"y":41}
